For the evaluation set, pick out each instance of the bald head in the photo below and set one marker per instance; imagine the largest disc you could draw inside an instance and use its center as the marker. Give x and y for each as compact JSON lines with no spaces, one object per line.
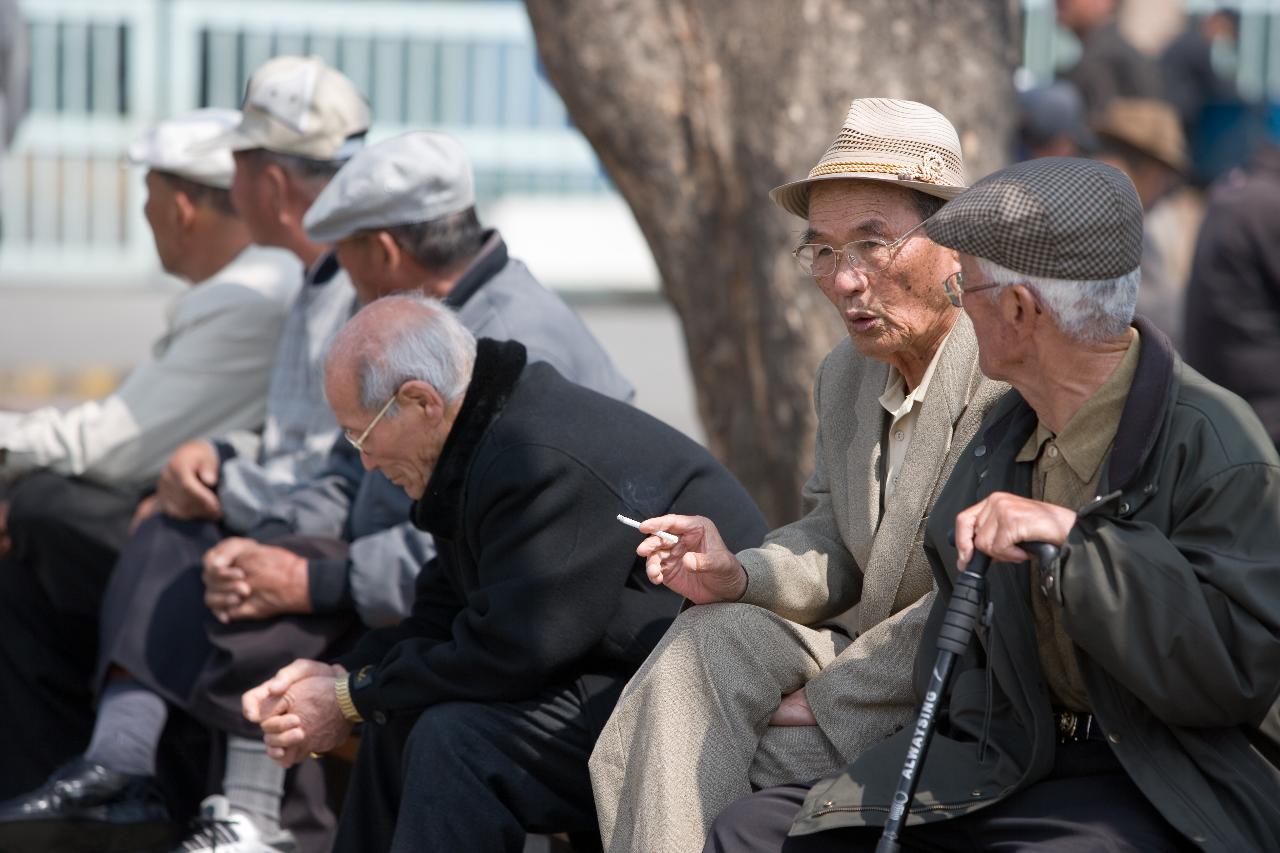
{"x":399,"y":338}
{"x":395,"y":377}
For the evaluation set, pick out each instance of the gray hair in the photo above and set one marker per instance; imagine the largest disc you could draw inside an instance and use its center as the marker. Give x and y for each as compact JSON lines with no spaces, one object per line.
{"x":428,"y":344}
{"x":1086,"y":311}
{"x":313,"y":175}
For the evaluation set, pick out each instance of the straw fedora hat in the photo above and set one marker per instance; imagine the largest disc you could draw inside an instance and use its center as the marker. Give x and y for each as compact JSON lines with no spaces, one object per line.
{"x":884,"y":139}
{"x":1147,"y":125}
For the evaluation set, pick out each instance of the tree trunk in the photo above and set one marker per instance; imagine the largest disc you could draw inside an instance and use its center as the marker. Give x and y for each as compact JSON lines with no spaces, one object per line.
{"x":697,"y":108}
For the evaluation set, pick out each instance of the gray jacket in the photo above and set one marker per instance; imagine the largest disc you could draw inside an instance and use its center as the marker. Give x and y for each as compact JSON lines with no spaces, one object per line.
{"x":496,"y":297}
{"x":300,"y":428}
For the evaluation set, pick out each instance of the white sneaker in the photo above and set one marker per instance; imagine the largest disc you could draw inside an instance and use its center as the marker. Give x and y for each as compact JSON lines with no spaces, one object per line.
{"x":219,"y":829}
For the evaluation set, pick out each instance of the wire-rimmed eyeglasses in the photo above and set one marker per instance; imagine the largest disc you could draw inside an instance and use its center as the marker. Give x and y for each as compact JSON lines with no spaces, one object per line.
{"x":956,"y":288}
{"x":820,"y":260}
{"x":358,"y":441}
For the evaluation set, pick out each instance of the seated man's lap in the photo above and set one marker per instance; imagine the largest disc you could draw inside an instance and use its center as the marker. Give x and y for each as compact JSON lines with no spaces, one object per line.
{"x":1089,"y":804}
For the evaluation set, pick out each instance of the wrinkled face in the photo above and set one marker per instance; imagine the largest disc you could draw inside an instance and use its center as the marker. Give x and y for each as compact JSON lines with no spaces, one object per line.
{"x":902,"y":308}
{"x":360,"y":258}
{"x":251,"y":198}
{"x":403,"y":445}
{"x":161,"y":210}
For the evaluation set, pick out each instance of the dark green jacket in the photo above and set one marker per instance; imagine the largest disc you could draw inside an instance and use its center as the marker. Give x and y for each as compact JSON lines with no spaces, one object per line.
{"x":1169,"y":586}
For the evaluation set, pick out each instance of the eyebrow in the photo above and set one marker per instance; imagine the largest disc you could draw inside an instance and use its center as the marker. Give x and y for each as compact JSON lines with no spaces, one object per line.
{"x":874,"y":226}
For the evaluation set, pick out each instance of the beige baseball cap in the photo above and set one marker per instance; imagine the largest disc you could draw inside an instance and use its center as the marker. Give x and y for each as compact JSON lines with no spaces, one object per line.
{"x":181,"y":146}
{"x":300,"y":105}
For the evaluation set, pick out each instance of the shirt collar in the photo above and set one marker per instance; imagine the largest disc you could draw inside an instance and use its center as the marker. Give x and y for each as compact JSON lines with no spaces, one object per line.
{"x":895,"y":399}
{"x":1087,"y":437}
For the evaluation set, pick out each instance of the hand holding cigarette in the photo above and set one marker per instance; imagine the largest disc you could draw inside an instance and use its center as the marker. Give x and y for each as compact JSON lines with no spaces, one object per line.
{"x":697,"y":564}
{"x":661,"y":534}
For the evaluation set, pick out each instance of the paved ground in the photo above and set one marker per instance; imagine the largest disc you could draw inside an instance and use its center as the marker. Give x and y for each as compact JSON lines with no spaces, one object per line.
{"x":66,"y":343}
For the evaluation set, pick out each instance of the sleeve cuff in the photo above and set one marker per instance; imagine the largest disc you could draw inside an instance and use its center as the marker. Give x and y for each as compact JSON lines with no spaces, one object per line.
{"x":225,"y":450}
{"x":329,"y":584}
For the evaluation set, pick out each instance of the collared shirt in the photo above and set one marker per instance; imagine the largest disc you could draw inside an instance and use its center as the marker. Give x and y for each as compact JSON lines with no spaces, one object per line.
{"x":903,"y":409}
{"x":1068,"y":468}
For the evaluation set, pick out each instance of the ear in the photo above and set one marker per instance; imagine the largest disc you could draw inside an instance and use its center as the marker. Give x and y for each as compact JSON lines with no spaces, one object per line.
{"x":277,"y":192}
{"x":1021,"y":309}
{"x":184,"y":212}
{"x":387,"y":251}
{"x":417,"y":394}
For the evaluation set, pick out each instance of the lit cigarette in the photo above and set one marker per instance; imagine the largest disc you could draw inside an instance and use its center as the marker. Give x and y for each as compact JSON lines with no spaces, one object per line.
{"x":669,"y":538}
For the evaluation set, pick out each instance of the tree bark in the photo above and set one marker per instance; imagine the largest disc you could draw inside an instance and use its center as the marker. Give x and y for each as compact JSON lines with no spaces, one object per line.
{"x":697,"y":108}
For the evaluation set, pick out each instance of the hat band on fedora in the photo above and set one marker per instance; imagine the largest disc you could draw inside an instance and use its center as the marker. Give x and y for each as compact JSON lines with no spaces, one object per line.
{"x":928,"y":170}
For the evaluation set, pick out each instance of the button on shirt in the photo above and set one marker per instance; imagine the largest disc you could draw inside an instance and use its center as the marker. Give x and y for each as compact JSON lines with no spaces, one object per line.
{"x":903,"y":409}
{"x":1068,"y":468}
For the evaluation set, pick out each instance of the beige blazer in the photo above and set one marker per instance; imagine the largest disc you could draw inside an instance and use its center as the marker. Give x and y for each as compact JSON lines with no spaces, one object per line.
{"x":845,"y":562}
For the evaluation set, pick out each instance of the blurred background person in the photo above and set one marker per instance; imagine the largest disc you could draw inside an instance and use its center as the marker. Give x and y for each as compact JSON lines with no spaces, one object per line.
{"x":1110,"y":66}
{"x":1233,"y":298}
{"x":300,"y":121}
{"x":1052,"y":123}
{"x":1143,"y":138}
{"x":209,"y":372}
{"x":1190,"y":79}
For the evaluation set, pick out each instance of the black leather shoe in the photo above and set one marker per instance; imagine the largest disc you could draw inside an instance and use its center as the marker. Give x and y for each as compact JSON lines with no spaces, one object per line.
{"x":87,"y":808}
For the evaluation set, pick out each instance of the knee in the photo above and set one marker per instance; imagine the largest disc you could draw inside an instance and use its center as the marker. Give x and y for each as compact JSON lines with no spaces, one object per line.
{"x":713,"y":630}
{"x":444,"y":734}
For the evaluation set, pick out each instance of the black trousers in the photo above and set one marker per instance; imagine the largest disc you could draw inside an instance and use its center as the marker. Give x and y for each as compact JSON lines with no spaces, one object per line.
{"x":1087,"y":805}
{"x":155,"y":626}
{"x":66,"y":535}
{"x":471,"y":776}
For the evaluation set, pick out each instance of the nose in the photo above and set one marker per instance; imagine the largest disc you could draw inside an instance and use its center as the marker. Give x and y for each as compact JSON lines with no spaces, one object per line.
{"x":846,"y":280}
{"x":366,"y":461}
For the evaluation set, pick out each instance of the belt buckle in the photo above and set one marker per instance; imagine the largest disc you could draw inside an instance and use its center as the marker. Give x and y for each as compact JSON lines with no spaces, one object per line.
{"x":1073,"y":727}
{"x":1067,"y":722}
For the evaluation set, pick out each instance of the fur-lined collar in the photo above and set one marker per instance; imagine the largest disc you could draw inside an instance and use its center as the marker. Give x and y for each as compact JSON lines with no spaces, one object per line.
{"x":496,"y":373}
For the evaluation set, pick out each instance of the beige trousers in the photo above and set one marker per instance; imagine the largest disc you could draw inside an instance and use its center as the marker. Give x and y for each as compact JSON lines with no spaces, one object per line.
{"x":691,"y":732}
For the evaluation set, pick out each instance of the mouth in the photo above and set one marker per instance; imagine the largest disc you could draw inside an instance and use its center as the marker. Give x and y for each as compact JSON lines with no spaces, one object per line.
{"x":860,"y":321}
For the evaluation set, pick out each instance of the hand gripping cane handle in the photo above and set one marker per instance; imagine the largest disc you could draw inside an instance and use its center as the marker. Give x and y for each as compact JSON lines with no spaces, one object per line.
{"x":964,"y":611}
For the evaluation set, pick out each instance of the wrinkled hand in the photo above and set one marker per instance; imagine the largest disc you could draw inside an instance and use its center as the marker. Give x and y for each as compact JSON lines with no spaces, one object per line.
{"x":700,"y":567}
{"x":793,"y":710}
{"x":147,"y":507}
{"x":298,"y":711}
{"x":244,"y":579}
{"x":998,"y":522}
{"x":186,"y":489}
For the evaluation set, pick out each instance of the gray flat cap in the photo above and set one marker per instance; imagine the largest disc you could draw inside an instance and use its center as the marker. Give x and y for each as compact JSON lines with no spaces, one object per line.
{"x":1057,"y":217}
{"x":415,"y":177}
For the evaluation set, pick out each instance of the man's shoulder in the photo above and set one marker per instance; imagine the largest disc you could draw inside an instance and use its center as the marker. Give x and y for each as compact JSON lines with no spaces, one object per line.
{"x":1223,"y":428}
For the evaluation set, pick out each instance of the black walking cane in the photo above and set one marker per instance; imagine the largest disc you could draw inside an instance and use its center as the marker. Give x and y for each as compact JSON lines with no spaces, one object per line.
{"x":964,"y":611}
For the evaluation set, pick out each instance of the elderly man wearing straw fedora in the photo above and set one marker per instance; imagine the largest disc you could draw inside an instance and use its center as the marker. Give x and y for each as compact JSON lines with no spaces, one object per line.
{"x":775,"y":676}
{"x":1124,"y":693}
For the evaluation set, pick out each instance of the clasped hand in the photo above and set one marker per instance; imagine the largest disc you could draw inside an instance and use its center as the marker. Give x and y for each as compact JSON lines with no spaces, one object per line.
{"x":298,"y":711}
{"x":244,"y":579}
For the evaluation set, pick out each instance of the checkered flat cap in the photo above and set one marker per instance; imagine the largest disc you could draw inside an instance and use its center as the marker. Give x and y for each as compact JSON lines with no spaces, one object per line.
{"x":1057,"y":217}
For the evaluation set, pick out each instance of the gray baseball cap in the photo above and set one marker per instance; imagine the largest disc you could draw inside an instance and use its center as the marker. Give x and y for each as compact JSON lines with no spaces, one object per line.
{"x":181,"y":147}
{"x":300,"y":105}
{"x":414,"y":177}
{"x":1056,"y":217}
